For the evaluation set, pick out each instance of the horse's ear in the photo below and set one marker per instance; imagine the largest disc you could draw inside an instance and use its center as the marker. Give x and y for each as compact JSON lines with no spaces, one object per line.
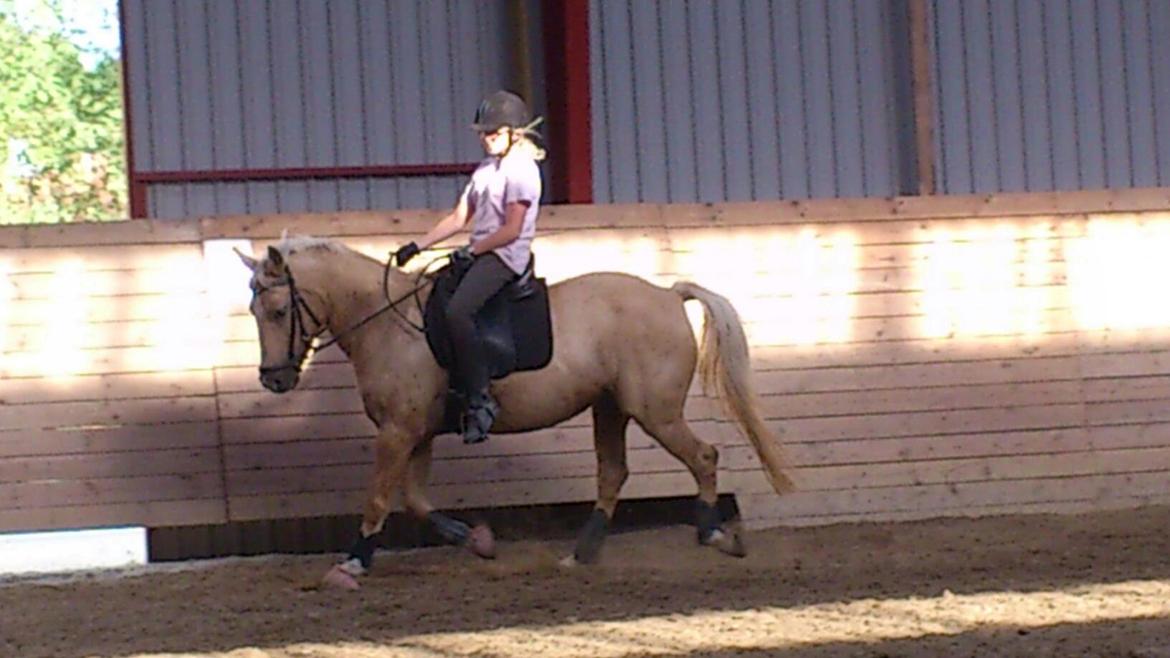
{"x":250,"y":262}
{"x":274,"y":266}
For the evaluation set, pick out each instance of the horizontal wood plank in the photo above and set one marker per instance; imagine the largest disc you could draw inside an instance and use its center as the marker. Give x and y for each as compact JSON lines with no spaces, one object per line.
{"x":114,"y":490}
{"x":943,"y":373}
{"x":82,"y":466}
{"x":176,"y":383}
{"x":97,"y":258}
{"x":74,"y":310}
{"x":771,"y":517}
{"x":108,"y":413}
{"x":84,"y":514}
{"x":106,"y":285}
{"x":917,"y":498}
{"x":100,"y":440}
{"x":88,"y":234}
{"x":979,"y":469}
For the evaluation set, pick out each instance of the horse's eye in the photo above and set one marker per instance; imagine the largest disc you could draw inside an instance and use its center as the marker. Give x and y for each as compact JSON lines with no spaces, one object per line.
{"x":280,"y":313}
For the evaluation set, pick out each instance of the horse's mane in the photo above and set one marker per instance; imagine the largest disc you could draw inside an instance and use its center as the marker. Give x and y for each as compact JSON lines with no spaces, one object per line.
{"x":291,"y":244}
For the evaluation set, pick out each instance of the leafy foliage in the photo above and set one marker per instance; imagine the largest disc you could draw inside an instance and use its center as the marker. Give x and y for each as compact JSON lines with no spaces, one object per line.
{"x":61,"y":137}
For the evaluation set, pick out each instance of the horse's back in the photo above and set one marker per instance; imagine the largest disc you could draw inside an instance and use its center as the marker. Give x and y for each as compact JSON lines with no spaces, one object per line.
{"x":615,"y":296}
{"x":617,"y":284}
{"x":612,"y":332}
{"x":618,"y":315}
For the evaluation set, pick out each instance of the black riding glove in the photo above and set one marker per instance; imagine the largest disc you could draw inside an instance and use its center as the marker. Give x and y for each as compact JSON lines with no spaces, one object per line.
{"x":405,"y":253}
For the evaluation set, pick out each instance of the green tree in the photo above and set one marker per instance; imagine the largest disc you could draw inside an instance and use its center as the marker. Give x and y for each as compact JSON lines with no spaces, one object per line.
{"x":61,"y":137}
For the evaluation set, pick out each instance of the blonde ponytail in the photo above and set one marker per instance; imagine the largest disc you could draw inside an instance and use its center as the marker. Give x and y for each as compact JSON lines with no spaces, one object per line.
{"x":526,"y":145}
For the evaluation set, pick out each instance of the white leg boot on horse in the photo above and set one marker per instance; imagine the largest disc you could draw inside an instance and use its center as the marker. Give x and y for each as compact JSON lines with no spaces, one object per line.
{"x":622,"y":346}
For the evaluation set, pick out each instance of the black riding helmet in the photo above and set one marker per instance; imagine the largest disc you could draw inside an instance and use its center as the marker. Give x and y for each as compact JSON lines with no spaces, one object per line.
{"x":500,"y":109}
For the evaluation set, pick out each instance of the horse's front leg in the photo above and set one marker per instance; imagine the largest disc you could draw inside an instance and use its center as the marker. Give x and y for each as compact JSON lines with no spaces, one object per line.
{"x":392,"y":452}
{"x":478,"y":539}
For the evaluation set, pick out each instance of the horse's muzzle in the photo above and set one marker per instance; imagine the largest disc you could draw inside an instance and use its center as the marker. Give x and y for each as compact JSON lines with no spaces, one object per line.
{"x":280,"y":379}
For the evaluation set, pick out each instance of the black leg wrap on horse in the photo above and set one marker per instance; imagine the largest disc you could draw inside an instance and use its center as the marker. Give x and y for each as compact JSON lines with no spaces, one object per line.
{"x":708,"y":520}
{"x":592,"y":536}
{"x":451,"y":530}
{"x":363,"y":550}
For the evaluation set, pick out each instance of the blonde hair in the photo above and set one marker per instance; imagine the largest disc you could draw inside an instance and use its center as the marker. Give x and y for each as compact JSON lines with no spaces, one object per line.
{"x":527,"y":145}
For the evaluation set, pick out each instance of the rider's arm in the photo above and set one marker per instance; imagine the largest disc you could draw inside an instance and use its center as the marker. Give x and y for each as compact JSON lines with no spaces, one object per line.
{"x":449,"y":225}
{"x":508,"y":232}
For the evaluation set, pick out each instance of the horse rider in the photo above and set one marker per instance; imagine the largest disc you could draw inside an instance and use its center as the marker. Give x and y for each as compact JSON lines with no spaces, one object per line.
{"x":502,"y":202}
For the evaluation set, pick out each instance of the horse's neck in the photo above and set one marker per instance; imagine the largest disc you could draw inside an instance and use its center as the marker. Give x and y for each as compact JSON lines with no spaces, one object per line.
{"x":353,"y":286}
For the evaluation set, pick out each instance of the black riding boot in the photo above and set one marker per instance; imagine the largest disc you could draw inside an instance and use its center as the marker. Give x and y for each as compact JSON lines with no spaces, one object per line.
{"x":470,"y":389}
{"x":477,"y":420}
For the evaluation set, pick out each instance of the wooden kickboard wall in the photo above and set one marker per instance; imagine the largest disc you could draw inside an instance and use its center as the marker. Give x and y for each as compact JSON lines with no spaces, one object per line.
{"x":921,"y":357}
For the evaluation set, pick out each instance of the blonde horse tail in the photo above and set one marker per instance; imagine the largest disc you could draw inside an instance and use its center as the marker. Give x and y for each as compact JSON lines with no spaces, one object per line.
{"x":725,"y":366}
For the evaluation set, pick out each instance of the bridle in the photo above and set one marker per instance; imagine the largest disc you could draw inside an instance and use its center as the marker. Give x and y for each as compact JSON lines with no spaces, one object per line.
{"x":298,"y":305}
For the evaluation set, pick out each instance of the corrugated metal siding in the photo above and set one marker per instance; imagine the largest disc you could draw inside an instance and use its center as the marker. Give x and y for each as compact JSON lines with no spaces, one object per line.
{"x":210,"y":199}
{"x":762,"y":99}
{"x":304,"y":83}
{"x":1053,"y":95}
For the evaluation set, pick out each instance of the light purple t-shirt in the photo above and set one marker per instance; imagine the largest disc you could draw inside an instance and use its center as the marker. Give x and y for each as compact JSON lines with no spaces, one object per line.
{"x":496,"y":183}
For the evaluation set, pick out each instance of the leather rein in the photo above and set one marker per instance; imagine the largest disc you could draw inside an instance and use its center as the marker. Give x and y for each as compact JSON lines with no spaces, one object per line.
{"x":300,"y":307}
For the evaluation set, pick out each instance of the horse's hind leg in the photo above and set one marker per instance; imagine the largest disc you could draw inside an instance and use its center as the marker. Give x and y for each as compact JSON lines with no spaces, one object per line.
{"x":478,"y":539}
{"x":702,"y":459}
{"x":609,"y":439}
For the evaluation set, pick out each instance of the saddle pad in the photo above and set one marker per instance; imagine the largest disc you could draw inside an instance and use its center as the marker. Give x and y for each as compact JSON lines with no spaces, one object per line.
{"x":516,"y":333}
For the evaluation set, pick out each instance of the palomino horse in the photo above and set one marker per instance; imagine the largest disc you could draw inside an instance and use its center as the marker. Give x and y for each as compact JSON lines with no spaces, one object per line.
{"x":622,"y":346}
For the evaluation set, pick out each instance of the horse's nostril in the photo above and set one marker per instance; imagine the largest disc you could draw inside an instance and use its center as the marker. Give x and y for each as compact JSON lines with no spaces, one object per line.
{"x":279,"y":382}
{"x":274,"y":382}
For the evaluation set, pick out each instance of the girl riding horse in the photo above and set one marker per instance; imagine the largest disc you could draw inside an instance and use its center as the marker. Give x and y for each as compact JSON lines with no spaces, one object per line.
{"x":502,"y":202}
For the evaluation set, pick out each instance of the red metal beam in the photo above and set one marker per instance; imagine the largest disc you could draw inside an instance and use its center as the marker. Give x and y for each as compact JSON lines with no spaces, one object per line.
{"x":566,"y":39}
{"x":137,"y":190}
{"x":305,"y":173}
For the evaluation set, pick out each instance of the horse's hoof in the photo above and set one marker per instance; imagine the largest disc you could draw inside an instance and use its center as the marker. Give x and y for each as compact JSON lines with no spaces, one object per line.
{"x":569,"y":561}
{"x":482,"y":542}
{"x":729,"y":542}
{"x":339,"y":578}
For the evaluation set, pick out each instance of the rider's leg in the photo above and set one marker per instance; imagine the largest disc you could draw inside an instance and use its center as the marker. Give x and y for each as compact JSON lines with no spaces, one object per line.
{"x":487,"y":275}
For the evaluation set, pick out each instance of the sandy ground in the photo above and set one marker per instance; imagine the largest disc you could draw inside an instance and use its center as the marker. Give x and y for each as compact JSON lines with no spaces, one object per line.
{"x":1089,"y":585}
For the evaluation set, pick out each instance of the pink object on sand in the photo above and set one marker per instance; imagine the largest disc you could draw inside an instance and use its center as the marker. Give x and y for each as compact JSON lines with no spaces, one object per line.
{"x":336,"y":577}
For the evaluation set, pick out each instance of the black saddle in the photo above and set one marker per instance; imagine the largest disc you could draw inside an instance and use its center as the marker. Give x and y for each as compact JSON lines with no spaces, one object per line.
{"x":514,"y":327}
